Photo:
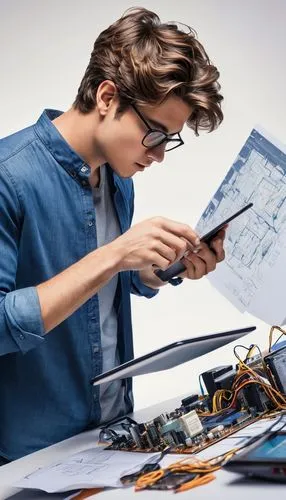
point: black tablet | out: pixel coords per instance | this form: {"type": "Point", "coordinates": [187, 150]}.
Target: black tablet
{"type": "Point", "coordinates": [172, 355]}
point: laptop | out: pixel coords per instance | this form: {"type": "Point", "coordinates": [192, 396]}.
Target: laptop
{"type": "Point", "coordinates": [265, 459]}
{"type": "Point", "coordinates": [172, 355]}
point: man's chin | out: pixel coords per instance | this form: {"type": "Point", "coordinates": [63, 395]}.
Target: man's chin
{"type": "Point", "coordinates": [123, 175]}
{"type": "Point", "coordinates": [128, 171]}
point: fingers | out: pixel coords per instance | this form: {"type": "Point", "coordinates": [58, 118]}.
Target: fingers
{"type": "Point", "coordinates": [158, 262]}
{"type": "Point", "coordinates": [199, 260]}
{"type": "Point", "coordinates": [205, 260]}
{"type": "Point", "coordinates": [206, 255]}
{"type": "Point", "coordinates": [166, 252]}
{"type": "Point", "coordinates": [195, 267]}
{"type": "Point", "coordinates": [161, 242]}
{"type": "Point", "coordinates": [178, 245]}
{"type": "Point", "coordinates": [217, 246]}
{"type": "Point", "coordinates": [178, 229]}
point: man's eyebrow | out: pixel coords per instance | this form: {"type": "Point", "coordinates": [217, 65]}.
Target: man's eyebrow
{"type": "Point", "coordinates": [160, 126]}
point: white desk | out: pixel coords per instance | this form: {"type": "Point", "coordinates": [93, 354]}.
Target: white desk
{"type": "Point", "coordinates": [226, 486]}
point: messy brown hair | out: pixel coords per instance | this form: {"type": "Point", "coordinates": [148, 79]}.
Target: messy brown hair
{"type": "Point", "coordinates": [148, 61]}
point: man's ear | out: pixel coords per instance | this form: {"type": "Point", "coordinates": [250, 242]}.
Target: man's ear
{"type": "Point", "coordinates": [106, 96]}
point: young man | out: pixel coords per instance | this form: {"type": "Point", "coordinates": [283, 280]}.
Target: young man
{"type": "Point", "coordinates": [69, 259]}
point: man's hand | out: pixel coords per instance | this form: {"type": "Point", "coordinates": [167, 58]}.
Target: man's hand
{"type": "Point", "coordinates": [205, 260]}
{"type": "Point", "coordinates": [157, 242]}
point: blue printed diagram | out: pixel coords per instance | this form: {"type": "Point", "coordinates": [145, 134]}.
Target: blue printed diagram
{"type": "Point", "coordinates": [256, 239]}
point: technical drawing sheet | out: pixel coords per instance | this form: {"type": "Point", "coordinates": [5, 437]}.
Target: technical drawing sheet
{"type": "Point", "coordinates": [91, 468]}
{"type": "Point", "coordinates": [253, 275]}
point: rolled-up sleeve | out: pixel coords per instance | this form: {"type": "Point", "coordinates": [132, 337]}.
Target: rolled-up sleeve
{"type": "Point", "coordinates": [139, 288]}
{"type": "Point", "coordinates": [23, 320]}
{"type": "Point", "coordinates": [21, 325]}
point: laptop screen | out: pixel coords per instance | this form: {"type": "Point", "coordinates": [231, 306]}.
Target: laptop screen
{"type": "Point", "coordinates": [272, 449]}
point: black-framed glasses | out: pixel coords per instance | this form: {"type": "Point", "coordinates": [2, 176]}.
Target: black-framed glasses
{"type": "Point", "coordinates": [156, 137]}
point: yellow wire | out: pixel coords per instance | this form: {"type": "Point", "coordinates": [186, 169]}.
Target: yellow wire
{"type": "Point", "coordinates": [275, 327]}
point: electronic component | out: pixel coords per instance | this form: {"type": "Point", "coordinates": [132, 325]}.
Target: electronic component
{"type": "Point", "coordinates": [237, 397]}
{"type": "Point", "coordinates": [196, 402]}
{"type": "Point", "coordinates": [191, 424]}
{"type": "Point", "coordinates": [276, 364]}
{"type": "Point", "coordinates": [172, 433]}
{"type": "Point", "coordinates": [182, 433]}
{"type": "Point", "coordinates": [255, 363]}
{"type": "Point", "coordinates": [253, 396]}
{"type": "Point", "coordinates": [226, 419]}
{"type": "Point", "coordinates": [225, 380]}
{"type": "Point", "coordinates": [189, 400]}
{"type": "Point", "coordinates": [177, 430]}
{"type": "Point", "coordinates": [210, 377]}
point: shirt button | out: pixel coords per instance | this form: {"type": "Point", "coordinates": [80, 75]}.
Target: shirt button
{"type": "Point", "coordinates": [21, 337]}
{"type": "Point", "coordinates": [95, 348]}
{"type": "Point", "coordinates": [73, 173]}
{"type": "Point", "coordinates": [83, 169]}
{"type": "Point", "coordinates": [90, 223]}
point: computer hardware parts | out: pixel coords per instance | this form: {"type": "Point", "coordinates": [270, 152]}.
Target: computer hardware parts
{"type": "Point", "coordinates": [210, 377]}
{"type": "Point", "coordinates": [276, 366]}
{"type": "Point", "coordinates": [254, 398]}
{"type": "Point", "coordinates": [197, 402]}
{"type": "Point", "coordinates": [180, 435]}
{"type": "Point", "coordinates": [241, 397]}
{"type": "Point", "coordinates": [227, 418]}
{"type": "Point", "coordinates": [266, 458]}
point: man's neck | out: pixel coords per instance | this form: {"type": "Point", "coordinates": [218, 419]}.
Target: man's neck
{"type": "Point", "coordinates": [78, 131]}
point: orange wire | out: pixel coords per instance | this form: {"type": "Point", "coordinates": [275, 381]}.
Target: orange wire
{"type": "Point", "coordinates": [148, 479]}
{"type": "Point", "coordinates": [197, 481]}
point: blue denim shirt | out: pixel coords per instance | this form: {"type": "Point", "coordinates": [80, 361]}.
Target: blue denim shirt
{"type": "Point", "coordinates": [47, 223]}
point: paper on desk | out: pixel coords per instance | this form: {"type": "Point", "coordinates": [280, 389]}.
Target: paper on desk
{"type": "Point", "coordinates": [255, 429]}
{"type": "Point", "coordinates": [253, 275]}
{"type": "Point", "coordinates": [91, 468]}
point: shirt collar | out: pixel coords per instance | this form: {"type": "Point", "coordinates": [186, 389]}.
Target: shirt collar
{"type": "Point", "coordinates": [59, 148]}
{"type": "Point", "coordinates": [63, 152]}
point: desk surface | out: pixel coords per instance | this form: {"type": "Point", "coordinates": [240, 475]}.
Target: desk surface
{"type": "Point", "coordinates": [226, 486]}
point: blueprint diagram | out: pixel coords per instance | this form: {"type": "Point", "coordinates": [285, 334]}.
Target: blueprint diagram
{"type": "Point", "coordinates": [255, 241]}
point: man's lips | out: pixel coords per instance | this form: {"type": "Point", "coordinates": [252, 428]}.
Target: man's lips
{"type": "Point", "coordinates": [142, 166]}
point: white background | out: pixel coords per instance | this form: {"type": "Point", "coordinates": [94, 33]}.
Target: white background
{"type": "Point", "coordinates": [44, 50]}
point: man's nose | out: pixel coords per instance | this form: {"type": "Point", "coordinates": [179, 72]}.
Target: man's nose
{"type": "Point", "coordinates": [157, 153]}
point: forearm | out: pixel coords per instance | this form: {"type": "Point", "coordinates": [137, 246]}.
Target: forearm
{"type": "Point", "coordinates": [63, 294]}
{"type": "Point", "coordinates": [150, 279]}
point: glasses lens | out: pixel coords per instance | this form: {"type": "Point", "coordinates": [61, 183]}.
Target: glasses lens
{"type": "Point", "coordinates": [173, 144]}
{"type": "Point", "coordinates": [153, 139]}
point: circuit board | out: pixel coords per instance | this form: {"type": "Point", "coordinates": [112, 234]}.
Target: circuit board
{"type": "Point", "coordinates": [236, 398]}
{"type": "Point", "coordinates": [196, 444]}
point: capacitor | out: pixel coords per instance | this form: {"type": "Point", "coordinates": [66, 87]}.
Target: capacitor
{"type": "Point", "coordinates": [134, 431]}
